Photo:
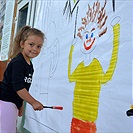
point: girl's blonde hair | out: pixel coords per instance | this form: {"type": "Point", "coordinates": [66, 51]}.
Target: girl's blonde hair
{"type": "Point", "coordinates": [22, 36]}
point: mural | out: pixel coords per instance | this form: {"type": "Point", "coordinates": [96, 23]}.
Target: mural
{"type": "Point", "coordinates": [83, 67]}
{"type": "Point", "coordinates": [89, 74]}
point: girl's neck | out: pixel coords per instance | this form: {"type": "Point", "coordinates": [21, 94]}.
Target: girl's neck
{"type": "Point", "coordinates": [26, 58]}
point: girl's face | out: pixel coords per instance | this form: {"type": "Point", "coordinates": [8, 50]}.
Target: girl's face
{"type": "Point", "coordinates": [31, 47]}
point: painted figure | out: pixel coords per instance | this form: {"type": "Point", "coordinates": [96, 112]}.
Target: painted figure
{"type": "Point", "coordinates": [89, 75]}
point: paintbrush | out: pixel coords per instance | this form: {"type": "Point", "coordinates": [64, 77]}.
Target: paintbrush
{"type": "Point", "coordinates": [54, 107]}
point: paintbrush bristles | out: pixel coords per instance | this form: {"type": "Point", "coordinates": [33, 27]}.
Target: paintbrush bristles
{"type": "Point", "coordinates": [58, 107]}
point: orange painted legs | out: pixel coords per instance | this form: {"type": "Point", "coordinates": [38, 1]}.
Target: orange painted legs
{"type": "Point", "coordinates": [79, 126]}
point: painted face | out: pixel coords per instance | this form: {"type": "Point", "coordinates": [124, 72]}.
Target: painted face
{"type": "Point", "coordinates": [31, 47]}
{"type": "Point", "coordinates": [89, 38]}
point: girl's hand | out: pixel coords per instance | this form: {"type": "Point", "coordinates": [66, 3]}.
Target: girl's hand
{"type": "Point", "coordinates": [20, 112]}
{"type": "Point", "coordinates": [37, 106]}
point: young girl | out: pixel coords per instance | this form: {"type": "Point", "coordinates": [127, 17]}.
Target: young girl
{"type": "Point", "coordinates": [18, 77]}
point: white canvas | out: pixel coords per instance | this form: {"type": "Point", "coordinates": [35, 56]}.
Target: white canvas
{"type": "Point", "coordinates": [51, 83]}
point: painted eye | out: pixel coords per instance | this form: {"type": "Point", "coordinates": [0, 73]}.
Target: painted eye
{"type": "Point", "coordinates": [92, 35]}
{"type": "Point", "coordinates": [87, 36]}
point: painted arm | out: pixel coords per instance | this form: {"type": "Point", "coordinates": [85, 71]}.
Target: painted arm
{"type": "Point", "coordinates": [69, 64]}
{"type": "Point", "coordinates": [108, 75]}
{"type": "Point", "coordinates": [55, 56]}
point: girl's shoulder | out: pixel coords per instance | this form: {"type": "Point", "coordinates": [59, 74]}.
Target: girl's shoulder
{"type": "Point", "coordinates": [17, 60]}
{"type": "Point", "coordinates": [20, 62]}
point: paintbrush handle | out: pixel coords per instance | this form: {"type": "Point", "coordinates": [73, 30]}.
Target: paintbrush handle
{"type": "Point", "coordinates": [54, 107]}
{"type": "Point", "coordinates": [51, 107]}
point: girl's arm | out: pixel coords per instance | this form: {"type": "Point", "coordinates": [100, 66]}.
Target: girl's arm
{"type": "Point", "coordinates": [24, 94]}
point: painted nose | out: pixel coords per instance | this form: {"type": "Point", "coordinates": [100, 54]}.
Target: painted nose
{"type": "Point", "coordinates": [88, 40]}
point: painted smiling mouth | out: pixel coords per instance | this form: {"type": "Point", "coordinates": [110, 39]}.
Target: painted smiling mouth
{"type": "Point", "coordinates": [88, 47]}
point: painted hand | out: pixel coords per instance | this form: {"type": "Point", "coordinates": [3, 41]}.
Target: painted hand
{"type": "Point", "coordinates": [115, 21]}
